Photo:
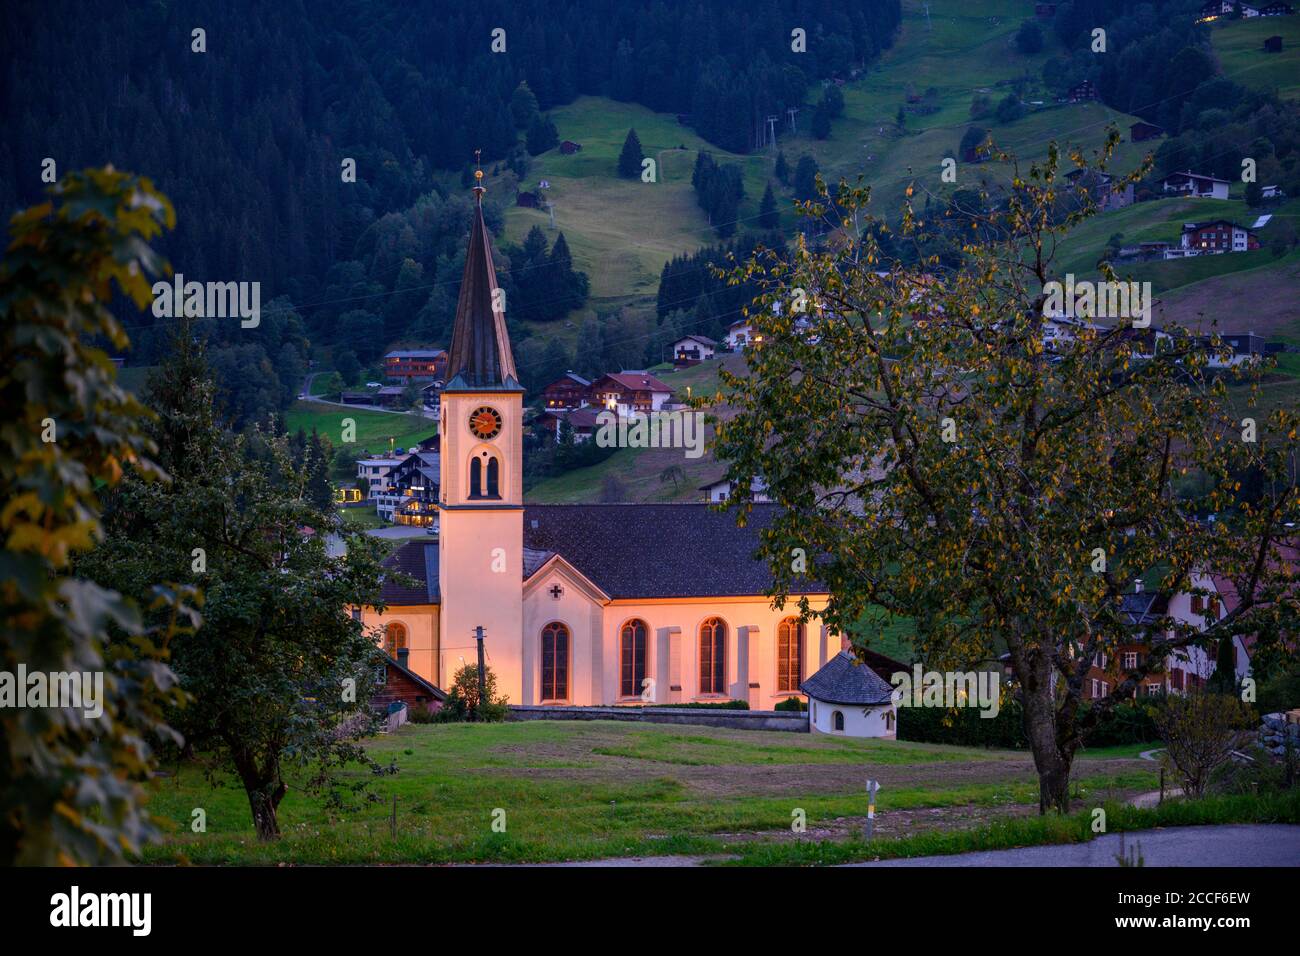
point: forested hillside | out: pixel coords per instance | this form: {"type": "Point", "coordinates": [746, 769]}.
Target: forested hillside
{"type": "Point", "coordinates": [247, 138]}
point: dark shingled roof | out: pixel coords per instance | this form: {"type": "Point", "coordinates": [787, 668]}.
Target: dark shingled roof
{"type": "Point", "coordinates": [628, 551]}
{"type": "Point", "coordinates": [417, 560]}
{"type": "Point", "coordinates": [656, 551]}
{"type": "Point", "coordinates": [844, 681]}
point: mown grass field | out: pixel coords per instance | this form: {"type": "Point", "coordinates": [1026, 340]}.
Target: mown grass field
{"type": "Point", "coordinates": [585, 790]}
{"type": "Point", "coordinates": [1239, 44]}
{"type": "Point", "coordinates": [376, 432]}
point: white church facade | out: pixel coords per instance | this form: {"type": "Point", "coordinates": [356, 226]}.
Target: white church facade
{"type": "Point", "coordinates": [581, 604]}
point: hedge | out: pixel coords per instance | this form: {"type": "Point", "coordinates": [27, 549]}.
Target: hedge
{"type": "Point", "coordinates": [1128, 723]}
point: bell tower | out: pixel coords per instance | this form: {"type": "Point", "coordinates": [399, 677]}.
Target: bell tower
{"type": "Point", "coordinates": [480, 428]}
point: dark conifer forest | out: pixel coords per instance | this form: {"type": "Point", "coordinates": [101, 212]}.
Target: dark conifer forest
{"type": "Point", "coordinates": [248, 139]}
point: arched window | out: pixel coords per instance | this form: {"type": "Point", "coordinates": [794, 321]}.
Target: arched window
{"type": "Point", "coordinates": [789, 655]}
{"type": "Point", "coordinates": [837, 720]}
{"type": "Point", "coordinates": [555, 662]}
{"type": "Point", "coordinates": [475, 478]}
{"type": "Point", "coordinates": [493, 477]}
{"type": "Point", "coordinates": [713, 656]}
{"type": "Point", "coordinates": [632, 655]}
{"type": "Point", "coordinates": [394, 638]}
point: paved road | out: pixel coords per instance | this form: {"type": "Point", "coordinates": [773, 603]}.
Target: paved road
{"type": "Point", "coordinates": [1232, 845]}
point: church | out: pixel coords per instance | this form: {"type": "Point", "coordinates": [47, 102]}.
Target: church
{"type": "Point", "coordinates": [581, 605]}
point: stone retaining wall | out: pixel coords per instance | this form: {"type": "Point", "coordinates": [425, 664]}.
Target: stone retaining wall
{"type": "Point", "coordinates": [733, 719]}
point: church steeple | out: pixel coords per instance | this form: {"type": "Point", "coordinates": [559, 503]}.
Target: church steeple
{"type": "Point", "coordinates": [480, 356]}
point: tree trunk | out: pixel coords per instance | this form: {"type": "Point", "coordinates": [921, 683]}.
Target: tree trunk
{"type": "Point", "coordinates": [264, 806]}
{"type": "Point", "coordinates": [265, 789]}
{"type": "Point", "coordinates": [1050, 760]}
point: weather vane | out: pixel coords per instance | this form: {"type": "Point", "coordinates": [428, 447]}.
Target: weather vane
{"type": "Point", "coordinates": [478, 174]}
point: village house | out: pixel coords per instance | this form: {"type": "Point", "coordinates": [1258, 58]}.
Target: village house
{"type": "Point", "coordinates": [372, 473]}
{"type": "Point", "coordinates": [1276, 10]}
{"type": "Point", "coordinates": [629, 391]}
{"type": "Point", "coordinates": [581, 604]}
{"type": "Point", "coordinates": [583, 422]}
{"type": "Point", "coordinates": [1194, 184]}
{"type": "Point", "coordinates": [1142, 130]}
{"type": "Point", "coordinates": [690, 349]}
{"type": "Point", "coordinates": [1101, 187]}
{"type": "Point", "coordinates": [739, 334]}
{"type": "Point", "coordinates": [567, 391]}
{"type": "Point", "coordinates": [412, 495]}
{"type": "Point", "coordinates": [1081, 92]}
{"type": "Point", "coordinates": [1215, 237]}
{"type": "Point", "coordinates": [1273, 44]}
{"type": "Point", "coordinates": [416, 365]}
{"type": "Point", "coordinates": [569, 147]}
{"type": "Point", "coordinates": [716, 492]}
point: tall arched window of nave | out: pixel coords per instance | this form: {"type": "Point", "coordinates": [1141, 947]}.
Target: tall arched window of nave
{"type": "Point", "coordinates": [632, 657]}
{"type": "Point", "coordinates": [555, 662]}
{"type": "Point", "coordinates": [713, 656]}
{"type": "Point", "coordinates": [789, 655]}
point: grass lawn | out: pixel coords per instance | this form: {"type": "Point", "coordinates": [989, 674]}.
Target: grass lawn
{"type": "Point", "coordinates": [377, 432]}
{"type": "Point", "coordinates": [1239, 44]}
{"type": "Point", "coordinates": [581, 790]}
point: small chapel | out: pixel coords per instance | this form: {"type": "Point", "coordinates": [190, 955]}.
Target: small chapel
{"type": "Point", "coordinates": [581, 605]}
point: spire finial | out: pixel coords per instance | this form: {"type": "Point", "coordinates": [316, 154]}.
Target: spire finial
{"type": "Point", "coordinates": [478, 175]}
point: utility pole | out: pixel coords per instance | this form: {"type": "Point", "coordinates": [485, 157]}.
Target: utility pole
{"type": "Point", "coordinates": [482, 670]}
{"type": "Point", "coordinates": [771, 122]}
{"type": "Point", "coordinates": [792, 110]}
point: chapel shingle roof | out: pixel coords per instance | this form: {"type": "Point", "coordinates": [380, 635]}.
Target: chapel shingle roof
{"type": "Point", "coordinates": [846, 681]}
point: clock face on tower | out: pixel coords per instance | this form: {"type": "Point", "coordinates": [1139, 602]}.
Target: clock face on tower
{"type": "Point", "coordinates": [485, 422]}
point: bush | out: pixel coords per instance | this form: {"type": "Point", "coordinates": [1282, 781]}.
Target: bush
{"type": "Point", "coordinates": [462, 701]}
{"type": "Point", "coordinates": [707, 705]}
{"type": "Point", "coordinates": [1200, 732]}
{"type": "Point", "coordinates": [1130, 722]}
{"type": "Point", "coordinates": [791, 703]}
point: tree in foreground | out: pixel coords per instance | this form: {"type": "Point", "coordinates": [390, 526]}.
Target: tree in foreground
{"type": "Point", "coordinates": [936, 460]}
{"type": "Point", "coordinates": [71, 785]}
{"type": "Point", "coordinates": [280, 674]}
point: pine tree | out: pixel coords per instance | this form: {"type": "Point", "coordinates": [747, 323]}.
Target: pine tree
{"type": "Point", "coordinates": [630, 159]}
{"type": "Point", "coordinates": [821, 123]}
{"type": "Point", "coordinates": [523, 106]}
{"type": "Point", "coordinates": [805, 178]}
{"type": "Point", "coordinates": [782, 170]}
{"type": "Point", "coordinates": [768, 216]}
{"type": "Point", "coordinates": [542, 135]}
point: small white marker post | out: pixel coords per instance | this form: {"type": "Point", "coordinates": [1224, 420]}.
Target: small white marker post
{"type": "Point", "coordinates": [872, 787]}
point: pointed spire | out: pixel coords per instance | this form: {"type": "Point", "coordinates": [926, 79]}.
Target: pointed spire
{"type": "Point", "coordinates": [480, 354]}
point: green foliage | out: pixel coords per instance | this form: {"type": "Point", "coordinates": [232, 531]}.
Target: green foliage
{"type": "Point", "coordinates": [805, 178]}
{"type": "Point", "coordinates": [1200, 732]}
{"type": "Point", "coordinates": [873, 426]}
{"type": "Point", "coordinates": [545, 284]}
{"type": "Point", "coordinates": [1132, 722]}
{"type": "Point", "coordinates": [631, 156]}
{"type": "Point", "coordinates": [280, 673]}
{"type": "Point", "coordinates": [791, 703]}
{"type": "Point", "coordinates": [542, 135]}
{"type": "Point", "coordinates": [463, 702]}
{"type": "Point", "coordinates": [70, 784]}
{"type": "Point", "coordinates": [768, 215]}
{"type": "Point", "coordinates": [782, 169]}
{"type": "Point", "coordinates": [719, 190]}
{"type": "Point", "coordinates": [1029, 38]}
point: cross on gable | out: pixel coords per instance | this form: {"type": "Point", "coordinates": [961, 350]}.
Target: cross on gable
{"type": "Point", "coordinates": [556, 591]}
